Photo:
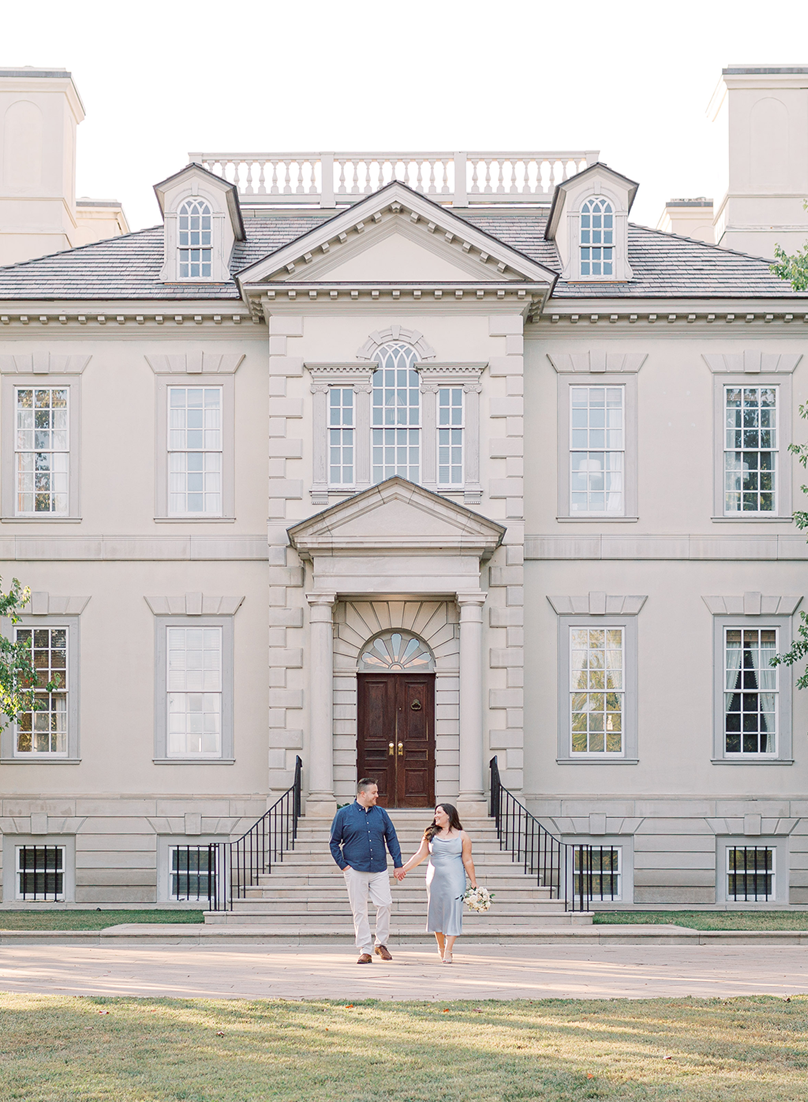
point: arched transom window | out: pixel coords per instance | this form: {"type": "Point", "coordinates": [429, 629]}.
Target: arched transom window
{"type": "Point", "coordinates": [396, 652]}
{"type": "Point", "coordinates": [597, 238]}
{"type": "Point", "coordinates": [396, 414]}
{"type": "Point", "coordinates": [195, 240]}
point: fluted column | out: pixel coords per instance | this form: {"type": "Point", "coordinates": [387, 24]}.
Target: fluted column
{"type": "Point", "coordinates": [471, 797]}
{"type": "Point", "coordinates": [320, 764]}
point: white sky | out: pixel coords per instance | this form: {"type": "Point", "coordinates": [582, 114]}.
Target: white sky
{"type": "Point", "coordinates": [630, 78]}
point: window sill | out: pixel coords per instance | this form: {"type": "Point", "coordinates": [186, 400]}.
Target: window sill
{"type": "Point", "coordinates": [751, 761]}
{"type": "Point", "coordinates": [754, 518]}
{"type": "Point", "coordinates": [601, 517]}
{"type": "Point", "coordinates": [597, 761]}
{"type": "Point", "coordinates": [41, 520]}
{"type": "Point", "coordinates": [194, 761]}
{"type": "Point", "coordinates": [194, 520]}
{"type": "Point", "coordinates": [40, 761]}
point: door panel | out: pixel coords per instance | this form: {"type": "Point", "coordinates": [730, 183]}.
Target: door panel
{"type": "Point", "coordinates": [396, 736]}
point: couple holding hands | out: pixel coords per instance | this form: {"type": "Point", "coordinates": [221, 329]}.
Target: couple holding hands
{"type": "Point", "coordinates": [359, 834]}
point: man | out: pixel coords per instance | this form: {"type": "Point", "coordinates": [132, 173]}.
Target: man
{"type": "Point", "coordinates": [358, 837]}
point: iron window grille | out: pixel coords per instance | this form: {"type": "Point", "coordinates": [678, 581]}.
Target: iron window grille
{"type": "Point", "coordinates": [40, 873]}
{"type": "Point", "coordinates": [750, 874]}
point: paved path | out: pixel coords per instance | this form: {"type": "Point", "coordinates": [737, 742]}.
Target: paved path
{"type": "Point", "coordinates": [479, 972]}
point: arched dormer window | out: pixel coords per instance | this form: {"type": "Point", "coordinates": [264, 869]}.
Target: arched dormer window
{"type": "Point", "coordinates": [195, 240]}
{"type": "Point", "coordinates": [597, 238]}
{"type": "Point", "coordinates": [396, 414]}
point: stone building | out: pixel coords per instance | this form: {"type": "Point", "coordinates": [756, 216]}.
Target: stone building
{"type": "Point", "coordinates": [398, 462]}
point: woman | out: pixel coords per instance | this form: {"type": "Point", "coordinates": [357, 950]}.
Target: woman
{"type": "Point", "coordinates": [449, 850]}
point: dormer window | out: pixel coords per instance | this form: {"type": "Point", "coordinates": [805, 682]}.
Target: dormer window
{"type": "Point", "coordinates": [597, 238]}
{"type": "Point", "coordinates": [195, 240]}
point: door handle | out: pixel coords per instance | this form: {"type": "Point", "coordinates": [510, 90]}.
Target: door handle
{"type": "Point", "coordinates": [400, 749]}
{"type": "Point", "coordinates": [391, 747]}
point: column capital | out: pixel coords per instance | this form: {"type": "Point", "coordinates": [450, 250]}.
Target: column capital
{"type": "Point", "coordinates": [471, 599]}
{"type": "Point", "coordinates": [321, 598]}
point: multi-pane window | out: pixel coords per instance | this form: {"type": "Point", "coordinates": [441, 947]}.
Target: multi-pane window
{"type": "Point", "coordinates": [396, 415]}
{"type": "Point", "coordinates": [750, 449]}
{"type": "Point", "coordinates": [195, 239]}
{"type": "Point", "coordinates": [597, 238]}
{"type": "Point", "coordinates": [195, 450]}
{"type": "Point", "coordinates": [750, 690]}
{"type": "Point", "coordinates": [341, 429]}
{"type": "Point", "coordinates": [41, 448]}
{"type": "Point", "coordinates": [194, 683]}
{"type": "Point", "coordinates": [750, 873]}
{"type": "Point", "coordinates": [192, 872]}
{"type": "Point", "coordinates": [597, 449]}
{"type": "Point", "coordinates": [597, 691]}
{"type": "Point", "coordinates": [597, 872]}
{"type": "Point", "coordinates": [44, 730]}
{"type": "Point", "coordinates": [450, 436]}
{"type": "Point", "coordinates": [40, 873]}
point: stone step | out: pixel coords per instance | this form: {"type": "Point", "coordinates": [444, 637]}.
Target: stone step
{"type": "Point", "coordinates": [341, 927]}
{"type": "Point", "coordinates": [312, 897]}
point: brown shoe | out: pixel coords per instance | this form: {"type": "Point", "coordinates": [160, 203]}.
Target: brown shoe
{"type": "Point", "coordinates": [365, 958]}
{"type": "Point", "coordinates": [383, 952]}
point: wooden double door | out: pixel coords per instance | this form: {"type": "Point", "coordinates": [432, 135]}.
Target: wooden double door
{"type": "Point", "coordinates": [396, 736]}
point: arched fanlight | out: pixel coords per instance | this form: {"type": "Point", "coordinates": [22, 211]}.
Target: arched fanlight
{"type": "Point", "coordinates": [396, 652]}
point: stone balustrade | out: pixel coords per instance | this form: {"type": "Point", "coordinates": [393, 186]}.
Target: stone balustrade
{"type": "Point", "coordinates": [337, 179]}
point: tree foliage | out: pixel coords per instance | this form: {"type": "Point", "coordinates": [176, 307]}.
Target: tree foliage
{"type": "Point", "coordinates": [793, 269]}
{"type": "Point", "coordinates": [18, 678]}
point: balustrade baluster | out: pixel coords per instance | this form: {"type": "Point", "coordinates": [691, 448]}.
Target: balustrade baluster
{"type": "Point", "coordinates": [341, 183]}
{"type": "Point", "coordinates": [262, 190]}
{"type": "Point", "coordinates": [273, 189]}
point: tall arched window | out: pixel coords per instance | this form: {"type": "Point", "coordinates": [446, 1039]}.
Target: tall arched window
{"type": "Point", "coordinates": [597, 238]}
{"type": "Point", "coordinates": [396, 414]}
{"type": "Point", "coordinates": [195, 240]}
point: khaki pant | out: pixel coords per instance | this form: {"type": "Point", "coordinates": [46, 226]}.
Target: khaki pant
{"type": "Point", "coordinates": [373, 886]}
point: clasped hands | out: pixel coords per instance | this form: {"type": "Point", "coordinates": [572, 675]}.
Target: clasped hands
{"type": "Point", "coordinates": [399, 874]}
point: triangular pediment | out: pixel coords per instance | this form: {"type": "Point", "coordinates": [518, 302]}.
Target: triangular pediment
{"type": "Point", "coordinates": [396, 234]}
{"type": "Point", "coordinates": [396, 516]}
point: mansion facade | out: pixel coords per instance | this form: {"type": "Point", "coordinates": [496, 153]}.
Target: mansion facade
{"type": "Point", "coordinates": [397, 463]}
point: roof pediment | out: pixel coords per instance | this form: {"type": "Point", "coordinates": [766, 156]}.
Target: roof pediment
{"type": "Point", "coordinates": [398, 235]}
{"type": "Point", "coordinates": [396, 516]}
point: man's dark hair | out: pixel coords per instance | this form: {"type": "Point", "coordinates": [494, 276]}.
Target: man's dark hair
{"type": "Point", "coordinates": [364, 784]}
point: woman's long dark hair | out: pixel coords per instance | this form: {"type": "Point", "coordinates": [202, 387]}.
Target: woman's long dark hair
{"type": "Point", "coordinates": [454, 822]}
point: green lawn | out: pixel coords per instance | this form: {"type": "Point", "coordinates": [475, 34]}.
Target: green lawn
{"type": "Point", "coordinates": [57, 1049]}
{"type": "Point", "coordinates": [712, 920]}
{"type": "Point", "coordinates": [87, 920]}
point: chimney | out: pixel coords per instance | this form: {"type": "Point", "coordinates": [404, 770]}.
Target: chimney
{"type": "Point", "coordinates": [39, 112]}
{"type": "Point", "coordinates": [689, 218]}
{"type": "Point", "coordinates": [763, 110]}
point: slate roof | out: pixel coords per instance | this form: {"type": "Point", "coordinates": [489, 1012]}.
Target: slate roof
{"type": "Point", "coordinates": [664, 265]}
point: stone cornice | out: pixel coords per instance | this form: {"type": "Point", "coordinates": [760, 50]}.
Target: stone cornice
{"type": "Point", "coordinates": [679, 312]}
{"type": "Point", "coordinates": [84, 316]}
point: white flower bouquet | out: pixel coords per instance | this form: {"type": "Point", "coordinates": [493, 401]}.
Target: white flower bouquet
{"type": "Point", "coordinates": [478, 899]}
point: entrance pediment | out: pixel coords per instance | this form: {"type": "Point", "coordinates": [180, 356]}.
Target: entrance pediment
{"type": "Point", "coordinates": [396, 518]}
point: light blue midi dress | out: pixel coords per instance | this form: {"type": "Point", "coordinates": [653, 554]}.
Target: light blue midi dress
{"type": "Point", "coordinates": [445, 885]}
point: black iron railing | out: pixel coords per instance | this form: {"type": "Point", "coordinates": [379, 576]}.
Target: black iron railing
{"type": "Point", "coordinates": [750, 873]}
{"type": "Point", "coordinates": [194, 874]}
{"type": "Point", "coordinates": [238, 866]}
{"type": "Point", "coordinates": [577, 873]}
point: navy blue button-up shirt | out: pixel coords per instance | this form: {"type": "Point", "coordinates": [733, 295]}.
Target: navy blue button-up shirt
{"type": "Point", "coordinates": [358, 837]}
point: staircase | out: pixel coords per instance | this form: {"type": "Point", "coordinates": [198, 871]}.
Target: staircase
{"type": "Point", "coordinates": [305, 893]}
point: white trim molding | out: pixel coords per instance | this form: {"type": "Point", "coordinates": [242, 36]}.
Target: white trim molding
{"type": "Point", "coordinates": [396, 333]}
{"type": "Point", "coordinates": [597, 603]}
{"type": "Point", "coordinates": [43, 363]}
{"type": "Point", "coordinates": [595, 362]}
{"type": "Point", "coordinates": [196, 363]}
{"type": "Point", "coordinates": [324, 376]}
{"type": "Point", "coordinates": [46, 604]}
{"type": "Point", "coordinates": [752, 362]}
{"type": "Point", "coordinates": [194, 604]}
{"type": "Point", "coordinates": [753, 604]}
{"type": "Point", "coordinates": [468, 376]}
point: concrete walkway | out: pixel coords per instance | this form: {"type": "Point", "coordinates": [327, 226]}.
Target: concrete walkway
{"type": "Point", "coordinates": [489, 971]}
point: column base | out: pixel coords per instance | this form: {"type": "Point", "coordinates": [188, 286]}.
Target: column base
{"type": "Point", "coordinates": [472, 806]}
{"type": "Point", "coordinates": [320, 806]}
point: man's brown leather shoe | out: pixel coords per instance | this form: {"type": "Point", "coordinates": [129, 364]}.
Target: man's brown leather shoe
{"type": "Point", "coordinates": [365, 958]}
{"type": "Point", "coordinates": [383, 952]}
